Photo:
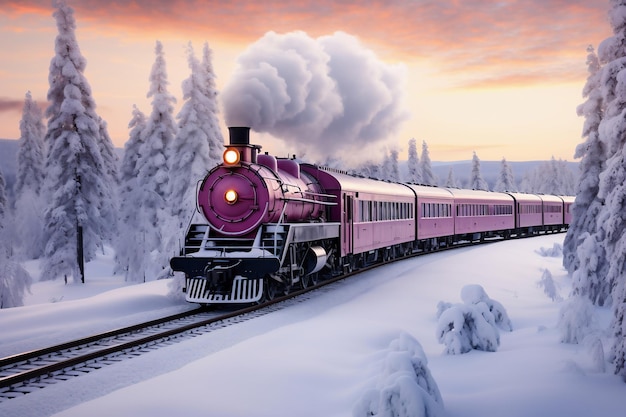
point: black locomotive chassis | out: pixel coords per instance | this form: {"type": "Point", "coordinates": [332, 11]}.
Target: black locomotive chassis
{"type": "Point", "coordinates": [207, 267]}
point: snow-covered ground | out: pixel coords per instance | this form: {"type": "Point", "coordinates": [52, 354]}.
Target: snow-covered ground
{"type": "Point", "coordinates": [321, 357]}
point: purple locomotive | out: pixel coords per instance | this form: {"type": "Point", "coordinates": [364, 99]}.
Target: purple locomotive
{"type": "Point", "coordinates": [271, 225]}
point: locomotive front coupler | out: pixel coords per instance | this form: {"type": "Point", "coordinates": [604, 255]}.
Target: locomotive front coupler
{"type": "Point", "coordinates": [220, 274]}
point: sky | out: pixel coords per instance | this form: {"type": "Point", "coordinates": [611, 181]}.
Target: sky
{"type": "Point", "coordinates": [499, 78]}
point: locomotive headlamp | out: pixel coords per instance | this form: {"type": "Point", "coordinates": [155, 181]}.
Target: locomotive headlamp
{"type": "Point", "coordinates": [231, 156]}
{"type": "Point", "coordinates": [231, 196]}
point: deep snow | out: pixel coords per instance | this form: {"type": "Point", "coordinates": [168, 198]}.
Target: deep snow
{"type": "Point", "coordinates": [319, 357]}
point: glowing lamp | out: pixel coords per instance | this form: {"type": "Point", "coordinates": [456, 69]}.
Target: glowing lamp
{"type": "Point", "coordinates": [231, 156]}
{"type": "Point", "coordinates": [231, 196]}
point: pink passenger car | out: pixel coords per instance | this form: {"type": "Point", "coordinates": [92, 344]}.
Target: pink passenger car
{"type": "Point", "coordinates": [435, 211]}
{"type": "Point", "coordinates": [373, 214]}
{"type": "Point", "coordinates": [480, 214]}
{"type": "Point", "coordinates": [552, 211]}
{"type": "Point", "coordinates": [528, 212]}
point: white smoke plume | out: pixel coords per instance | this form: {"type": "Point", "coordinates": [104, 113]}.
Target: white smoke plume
{"type": "Point", "coordinates": [324, 97]}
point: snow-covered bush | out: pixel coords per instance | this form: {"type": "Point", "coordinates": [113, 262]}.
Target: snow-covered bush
{"type": "Point", "coordinates": [556, 251]}
{"type": "Point", "coordinates": [549, 286]}
{"type": "Point", "coordinates": [472, 325]}
{"type": "Point", "coordinates": [475, 294]}
{"type": "Point", "coordinates": [577, 320]}
{"type": "Point", "coordinates": [406, 387]}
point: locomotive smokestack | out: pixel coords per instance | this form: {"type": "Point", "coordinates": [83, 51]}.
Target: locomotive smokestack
{"type": "Point", "coordinates": [239, 135]}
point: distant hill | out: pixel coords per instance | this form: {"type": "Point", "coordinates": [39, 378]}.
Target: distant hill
{"type": "Point", "coordinates": [489, 170]}
{"type": "Point", "coordinates": [462, 169]}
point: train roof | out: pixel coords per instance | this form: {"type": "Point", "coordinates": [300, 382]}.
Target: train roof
{"type": "Point", "coordinates": [480, 194]}
{"type": "Point", "coordinates": [546, 198]}
{"type": "Point", "coordinates": [430, 191]}
{"type": "Point", "coordinates": [525, 198]}
{"type": "Point", "coordinates": [333, 179]}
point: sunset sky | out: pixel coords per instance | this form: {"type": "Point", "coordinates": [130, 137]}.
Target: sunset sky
{"type": "Point", "coordinates": [502, 78]}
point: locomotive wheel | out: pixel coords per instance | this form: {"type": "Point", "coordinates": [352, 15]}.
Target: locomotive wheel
{"type": "Point", "coordinates": [270, 290]}
{"type": "Point", "coordinates": [306, 281]}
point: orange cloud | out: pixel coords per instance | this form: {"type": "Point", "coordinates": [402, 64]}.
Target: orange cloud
{"type": "Point", "coordinates": [473, 43]}
{"type": "Point", "coordinates": [458, 34]}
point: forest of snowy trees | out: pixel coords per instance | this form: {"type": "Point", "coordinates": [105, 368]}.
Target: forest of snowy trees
{"type": "Point", "coordinates": [595, 245]}
{"type": "Point", "coordinates": [84, 202]}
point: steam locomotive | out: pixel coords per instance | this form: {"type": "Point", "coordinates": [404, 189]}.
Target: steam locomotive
{"type": "Point", "coordinates": [270, 225]}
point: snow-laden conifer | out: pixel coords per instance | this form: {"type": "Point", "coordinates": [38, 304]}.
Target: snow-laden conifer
{"type": "Point", "coordinates": [14, 279]}
{"type": "Point", "coordinates": [390, 165]}
{"type": "Point", "coordinates": [194, 150]}
{"type": "Point", "coordinates": [405, 388]}
{"type": "Point", "coordinates": [506, 179]}
{"type": "Point", "coordinates": [153, 169]}
{"type": "Point", "coordinates": [425, 167]}
{"type": "Point", "coordinates": [216, 140]}
{"type": "Point", "coordinates": [129, 249]}
{"type": "Point", "coordinates": [610, 227]}
{"type": "Point", "coordinates": [476, 179]}
{"type": "Point", "coordinates": [30, 156]}
{"type": "Point", "coordinates": [415, 175]}
{"type": "Point", "coordinates": [28, 221]}
{"type": "Point", "coordinates": [451, 181]}
{"type": "Point", "coordinates": [473, 324]}
{"type": "Point", "coordinates": [76, 178]}
{"type": "Point", "coordinates": [610, 234]}
{"type": "Point", "coordinates": [587, 205]}
{"type": "Point", "coordinates": [110, 208]}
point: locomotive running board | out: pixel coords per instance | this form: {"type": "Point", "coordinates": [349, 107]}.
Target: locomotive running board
{"type": "Point", "coordinates": [244, 290]}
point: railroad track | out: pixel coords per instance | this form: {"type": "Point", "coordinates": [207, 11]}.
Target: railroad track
{"type": "Point", "coordinates": [27, 372]}
{"type": "Point", "coordinates": [24, 373]}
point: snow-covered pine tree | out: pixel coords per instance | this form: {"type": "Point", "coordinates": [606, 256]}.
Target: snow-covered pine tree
{"type": "Point", "coordinates": [550, 180]}
{"type": "Point", "coordinates": [129, 255]}
{"type": "Point", "coordinates": [415, 176]}
{"type": "Point", "coordinates": [394, 172]}
{"type": "Point", "coordinates": [153, 170]}
{"type": "Point", "coordinates": [110, 208]}
{"type": "Point", "coordinates": [370, 169]}
{"type": "Point", "coordinates": [451, 181]}
{"type": "Point", "coordinates": [476, 179]}
{"type": "Point", "coordinates": [14, 279]}
{"type": "Point", "coordinates": [425, 167]}
{"type": "Point", "coordinates": [506, 180]}
{"type": "Point", "coordinates": [587, 205]}
{"type": "Point", "coordinates": [194, 149]}
{"type": "Point", "coordinates": [611, 226]}
{"type": "Point", "coordinates": [216, 140]}
{"type": "Point", "coordinates": [30, 156]}
{"type": "Point", "coordinates": [28, 222]}
{"type": "Point", "coordinates": [75, 171]}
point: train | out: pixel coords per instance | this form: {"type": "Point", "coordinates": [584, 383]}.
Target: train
{"type": "Point", "coordinates": [265, 226]}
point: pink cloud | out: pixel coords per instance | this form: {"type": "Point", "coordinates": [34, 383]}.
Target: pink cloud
{"type": "Point", "coordinates": [478, 41]}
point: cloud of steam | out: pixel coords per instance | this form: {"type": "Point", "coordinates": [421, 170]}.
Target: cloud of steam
{"type": "Point", "coordinates": [324, 97]}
